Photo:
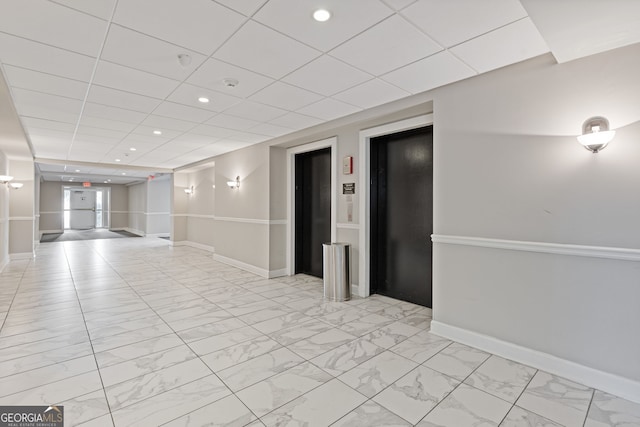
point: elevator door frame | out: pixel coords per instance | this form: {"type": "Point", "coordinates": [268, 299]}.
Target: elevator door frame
{"type": "Point", "coordinates": [291, 217]}
{"type": "Point", "coordinates": [364, 259]}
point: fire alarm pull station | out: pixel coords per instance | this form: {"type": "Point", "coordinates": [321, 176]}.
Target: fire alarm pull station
{"type": "Point", "coordinates": [347, 165]}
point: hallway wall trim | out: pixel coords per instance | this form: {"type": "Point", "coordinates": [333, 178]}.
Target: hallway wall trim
{"type": "Point", "coordinates": [234, 219]}
{"type": "Point", "coordinates": [601, 380]}
{"type": "Point", "coordinates": [542, 247]}
{"type": "Point", "coordinates": [194, 245]}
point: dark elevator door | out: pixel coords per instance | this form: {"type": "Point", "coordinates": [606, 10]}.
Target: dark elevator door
{"type": "Point", "coordinates": [313, 209]}
{"type": "Point", "coordinates": [402, 215]}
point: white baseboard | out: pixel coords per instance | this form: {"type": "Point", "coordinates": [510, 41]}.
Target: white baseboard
{"type": "Point", "coordinates": [607, 382]}
{"type": "Point", "coordinates": [194, 245]}
{"type": "Point", "coordinates": [277, 273]}
{"type": "Point", "coordinates": [134, 231]}
{"type": "Point", "coordinates": [21, 255]}
{"type": "Point", "coordinates": [50, 232]}
{"type": "Point", "coordinates": [157, 235]}
{"type": "Point", "coordinates": [3, 264]}
{"type": "Point", "coordinates": [242, 265]}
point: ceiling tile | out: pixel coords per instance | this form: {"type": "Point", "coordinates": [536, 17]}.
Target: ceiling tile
{"type": "Point", "coordinates": [45, 83]}
{"type": "Point", "coordinates": [387, 46]}
{"type": "Point", "coordinates": [183, 112]}
{"type": "Point", "coordinates": [201, 25]}
{"type": "Point", "coordinates": [231, 122]}
{"type": "Point", "coordinates": [265, 51]}
{"type": "Point", "coordinates": [575, 28]}
{"type": "Point", "coordinates": [270, 130]}
{"type": "Point", "coordinates": [44, 106]}
{"type": "Point", "coordinates": [285, 96]}
{"type": "Point", "coordinates": [107, 124]}
{"type": "Point", "coordinates": [372, 93]}
{"type": "Point", "coordinates": [118, 98]}
{"type": "Point", "coordinates": [246, 138]}
{"type": "Point", "coordinates": [295, 19]}
{"type": "Point", "coordinates": [327, 76]}
{"type": "Point", "coordinates": [187, 142]}
{"type": "Point", "coordinates": [102, 8]}
{"type": "Point", "coordinates": [142, 52]}
{"type": "Point", "coordinates": [255, 111]}
{"type": "Point", "coordinates": [54, 25]}
{"type": "Point", "coordinates": [166, 123]}
{"type": "Point", "coordinates": [453, 22]}
{"type": "Point", "coordinates": [112, 113]}
{"type": "Point", "coordinates": [329, 109]}
{"type": "Point", "coordinates": [211, 131]}
{"type": "Point", "coordinates": [246, 7]}
{"type": "Point", "coordinates": [145, 133]}
{"type": "Point", "coordinates": [109, 133]}
{"type": "Point", "coordinates": [507, 45]}
{"type": "Point", "coordinates": [188, 95]}
{"type": "Point", "coordinates": [296, 121]}
{"type": "Point", "coordinates": [212, 73]}
{"type": "Point", "coordinates": [39, 57]}
{"type": "Point", "coordinates": [35, 123]}
{"type": "Point", "coordinates": [127, 79]}
{"type": "Point", "coordinates": [437, 70]}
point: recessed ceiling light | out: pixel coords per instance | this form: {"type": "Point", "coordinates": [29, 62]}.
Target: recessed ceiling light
{"type": "Point", "coordinates": [108, 180]}
{"type": "Point", "coordinates": [321, 15]}
{"type": "Point", "coordinates": [105, 182]}
{"type": "Point", "coordinates": [117, 160]}
{"type": "Point", "coordinates": [132, 149]}
{"type": "Point", "coordinates": [203, 100]}
{"type": "Point", "coordinates": [124, 173]}
{"type": "Point", "coordinates": [157, 132]}
{"type": "Point", "coordinates": [77, 170]}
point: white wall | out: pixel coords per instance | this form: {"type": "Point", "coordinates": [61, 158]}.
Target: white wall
{"type": "Point", "coordinates": [138, 208]}
{"type": "Point", "coordinates": [4, 215]}
{"type": "Point", "coordinates": [519, 206]}
{"type": "Point", "coordinates": [159, 206]}
{"type": "Point", "coordinates": [21, 210]}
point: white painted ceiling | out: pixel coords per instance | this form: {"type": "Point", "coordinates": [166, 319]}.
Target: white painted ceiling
{"type": "Point", "coordinates": [92, 79]}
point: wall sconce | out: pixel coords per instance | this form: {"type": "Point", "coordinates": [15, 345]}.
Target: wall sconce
{"type": "Point", "coordinates": [189, 190]}
{"type": "Point", "coordinates": [5, 178]}
{"type": "Point", "coordinates": [16, 185]}
{"type": "Point", "coordinates": [234, 184]}
{"type": "Point", "coordinates": [596, 134]}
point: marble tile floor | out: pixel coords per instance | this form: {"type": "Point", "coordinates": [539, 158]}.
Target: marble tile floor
{"type": "Point", "coordinates": [135, 332]}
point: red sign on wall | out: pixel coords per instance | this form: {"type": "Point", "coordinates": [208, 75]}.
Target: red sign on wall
{"type": "Point", "coordinates": [86, 184]}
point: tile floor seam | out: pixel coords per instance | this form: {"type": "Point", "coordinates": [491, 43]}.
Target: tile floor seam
{"type": "Point", "coordinates": [586, 416]}
{"type": "Point", "coordinates": [95, 359]}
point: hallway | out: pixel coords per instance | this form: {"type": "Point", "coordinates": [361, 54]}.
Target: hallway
{"type": "Point", "coordinates": [137, 332]}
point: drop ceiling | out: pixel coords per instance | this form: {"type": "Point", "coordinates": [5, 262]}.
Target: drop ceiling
{"type": "Point", "coordinates": [93, 79]}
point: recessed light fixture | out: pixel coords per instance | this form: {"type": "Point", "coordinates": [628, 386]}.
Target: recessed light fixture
{"type": "Point", "coordinates": [77, 170]}
{"type": "Point", "coordinates": [157, 132]}
{"type": "Point", "coordinates": [124, 173]}
{"type": "Point", "coordinates": [108, 180]}
{"type": "Point", "coordinates": [132, 149]}
{"type": "Point", "coordinates": [117, 160]}
{"type": "Point", "coordinates": [321, 15]}
{"type": "Point", "coordinates": [203, 100]}
{"type": "Point", "coordinates": [105, 182]}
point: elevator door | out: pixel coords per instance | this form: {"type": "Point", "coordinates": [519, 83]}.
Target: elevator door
{"type": "Point", "coordinates": [313, 209]}
{"type": "Point", "coordinates": [402, 215]}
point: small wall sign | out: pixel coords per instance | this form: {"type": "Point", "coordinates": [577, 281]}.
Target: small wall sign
{"type": "Point", "coordinates": [347, 165]}
{"type": "Point", "coordinates": [349, 188]}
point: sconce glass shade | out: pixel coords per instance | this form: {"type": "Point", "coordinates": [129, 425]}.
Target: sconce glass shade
{"type": "Point", "coordinates": [16, 185]}
{"type": "Point", "coordinates": [596, 134]}
{"type": "Point", "coordinates": [5, 178]}
{"type": "Point", "coordinates": [234, 184]}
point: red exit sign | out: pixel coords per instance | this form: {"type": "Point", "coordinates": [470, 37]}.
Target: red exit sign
{"type": "Point", "coordinates": [86, 184]}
